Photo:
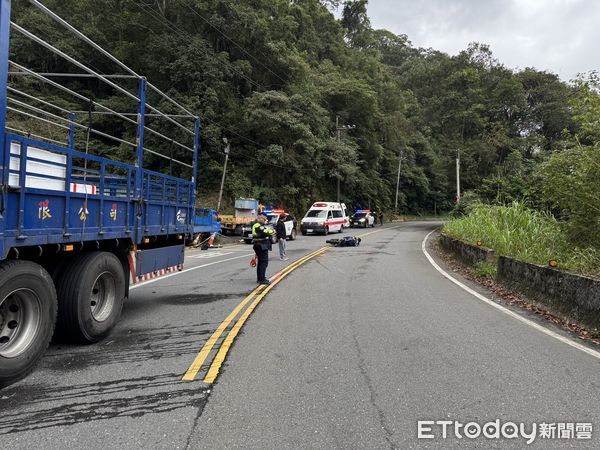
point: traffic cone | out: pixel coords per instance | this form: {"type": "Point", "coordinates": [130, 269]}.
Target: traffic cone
{"type": "Point", "coordinates": [211, 241]}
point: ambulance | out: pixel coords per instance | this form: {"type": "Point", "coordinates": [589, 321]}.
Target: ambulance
{"type": "Point", "coordinates": [325, 218]}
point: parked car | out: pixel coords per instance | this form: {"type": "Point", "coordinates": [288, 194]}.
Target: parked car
{"type": "Point", "coordinates": [290, 222]}
{"type": "Point", "coordinates": [362, 218]}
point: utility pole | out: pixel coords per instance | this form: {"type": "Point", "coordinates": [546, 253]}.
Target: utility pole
{"type": "Point", "coordinates": [226, 151]}
{"type": "Point", "coordinates": [339, 128]}
{"type": "Point", "coordinates": [457, 176]}
{"type": "Point", "coordinates": [398, 181]}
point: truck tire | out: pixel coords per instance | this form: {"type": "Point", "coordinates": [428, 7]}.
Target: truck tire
{"type": "Point", "coordinates": [91, 292]}
{"type": "Point", "coordinates": [27, 317]}
{"type": "Point", "coordinates": [293, 234]}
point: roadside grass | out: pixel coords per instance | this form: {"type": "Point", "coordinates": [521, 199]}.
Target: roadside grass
{"type": "Point", "coordinates": [522, 233]}
{"type": "Point", "coordinates": [485, 269]}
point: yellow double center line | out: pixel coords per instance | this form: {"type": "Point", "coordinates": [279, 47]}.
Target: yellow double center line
{"type": "Point", "coordinates": [257, 294]}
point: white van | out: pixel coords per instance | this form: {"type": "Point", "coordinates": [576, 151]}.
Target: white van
{"type": "Point", "coordinates": [324, 217]}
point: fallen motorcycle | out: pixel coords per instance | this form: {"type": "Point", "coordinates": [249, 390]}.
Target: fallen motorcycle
{"type": "Point", "coordinates": [346, 241]}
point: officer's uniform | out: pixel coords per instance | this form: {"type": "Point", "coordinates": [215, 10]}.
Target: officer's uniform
{"type": "Point", "coordinates": [261, 237]}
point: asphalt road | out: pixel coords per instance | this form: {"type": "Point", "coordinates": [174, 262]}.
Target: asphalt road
{"type": "Point", "coordinates": [126, 392]}
{"type": "Point", "coordinates": [350, 350]}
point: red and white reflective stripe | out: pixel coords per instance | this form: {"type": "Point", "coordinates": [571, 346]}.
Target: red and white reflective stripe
{"type": "Point", "coordinates": [134, 279]}
{"type": "Point", "coordinates": [159, 273]}
{"type": "Point", "coordinates": [335, 222]}
{"type": "Point", "coordinates": [84, 188]}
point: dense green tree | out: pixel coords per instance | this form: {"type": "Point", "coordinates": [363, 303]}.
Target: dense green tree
{"type": "Point", "coordinates": [570, 177]}
{"type": "Point", "coordinates": [274, 75]}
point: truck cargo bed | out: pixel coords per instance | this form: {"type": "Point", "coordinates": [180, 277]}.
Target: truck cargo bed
{"type": "Point", "coordinates": [57, 195]}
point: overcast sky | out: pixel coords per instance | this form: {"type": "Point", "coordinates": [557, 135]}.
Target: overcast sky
{"type": "Point", "coordinates": [560, 36]}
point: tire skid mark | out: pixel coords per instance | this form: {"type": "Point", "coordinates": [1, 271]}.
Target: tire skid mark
{"type": "Point", "coordinates": [133, 397]}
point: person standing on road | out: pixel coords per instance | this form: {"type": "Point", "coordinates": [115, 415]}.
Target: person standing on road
{"type": "Point", "coordinates": [381, 218]}
{"type": "Point", "coordinates": [261, 238]}
{"type": "Point", "coordinates": [281, 236]}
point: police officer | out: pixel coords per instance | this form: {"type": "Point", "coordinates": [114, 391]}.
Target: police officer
{"type": "Point", "coordinates": [261, 238]}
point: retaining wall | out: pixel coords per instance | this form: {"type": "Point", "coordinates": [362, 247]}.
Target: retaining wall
{"type": "Point", "coordinates": [574, 296]}
{"type": "Point", "coordinates": [468, 253]}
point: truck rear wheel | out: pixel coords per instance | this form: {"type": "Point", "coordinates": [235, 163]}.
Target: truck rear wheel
{"type": "Point", "coordinates": [91, 292]}
{"type": "Point", "coordinates": [27, 318]}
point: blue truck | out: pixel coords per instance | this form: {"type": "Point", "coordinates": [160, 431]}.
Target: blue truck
{"type": "Point", "coordinates": [77, 228]}
{"type": "Point", "coordinates": [206, 227]}
{"type": "Point", "coordinates": [206, 221]}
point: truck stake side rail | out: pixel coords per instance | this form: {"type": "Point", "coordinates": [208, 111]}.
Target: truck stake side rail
{"type": "Point", "coordinates": [85, 208]}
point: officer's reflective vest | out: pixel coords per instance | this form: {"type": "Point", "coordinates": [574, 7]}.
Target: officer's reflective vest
{"type": "Point", "coordinates": [259, 231]}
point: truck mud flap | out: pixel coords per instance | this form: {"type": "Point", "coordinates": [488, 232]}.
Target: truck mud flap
{"type": "Point", "coordinates": [152, 263]}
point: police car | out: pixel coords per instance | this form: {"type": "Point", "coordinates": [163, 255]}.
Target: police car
{"type": "Point", "coordinates": [362, 218]}
{"type": "Point", "coordinates": [272, 217]}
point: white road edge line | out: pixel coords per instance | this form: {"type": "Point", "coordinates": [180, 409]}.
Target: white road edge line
{"type": "Point", "coordinates": [187, 270]}
{"type": "Point", "coordinates": [520, 318]}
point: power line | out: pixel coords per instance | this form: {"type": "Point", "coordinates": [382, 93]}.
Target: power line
{"type": "Point", "coordinates": [231, 40]}
{"type": "Point", "coordinates": [237, 152]}
{"type": "Point", "coordinates": [151, 130]}
{"type": "Point", "coordinates": [241, 48]}
{"type": "Point", "coordinates": [169, 24]}
{"type": "Point", "coordinates": [104, 52]}
{"type": "Point", "coordinates": [173, 27]}
{"type": "Point", "coordinates": [96, 73]}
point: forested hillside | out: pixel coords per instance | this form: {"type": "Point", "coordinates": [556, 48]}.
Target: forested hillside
{"type": "Point", "coordinates": [273, 75]}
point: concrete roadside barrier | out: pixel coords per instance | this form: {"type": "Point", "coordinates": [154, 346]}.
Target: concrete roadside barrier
{"type": "Point", "coordinates": [576, 296]}
{"type": "Point", "coordinates": [571, 295]}
{"type": "Point", "coordinates": [469, 254]}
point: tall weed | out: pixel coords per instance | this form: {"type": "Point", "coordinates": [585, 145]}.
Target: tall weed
{"type": "Point", "coordinates": [529, 235]}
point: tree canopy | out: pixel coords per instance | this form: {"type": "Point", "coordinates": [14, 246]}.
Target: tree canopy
{"type": "Point", "coordinates": [274, 76]}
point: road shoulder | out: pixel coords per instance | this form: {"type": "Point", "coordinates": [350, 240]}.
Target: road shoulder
{"type": "Point", "coordinates": [514, 301]}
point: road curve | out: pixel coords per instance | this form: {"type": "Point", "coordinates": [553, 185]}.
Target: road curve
{"type": "Point", "coordinates": [349, 350]}
{"type": "Point", "coordinates": [362, 343]}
